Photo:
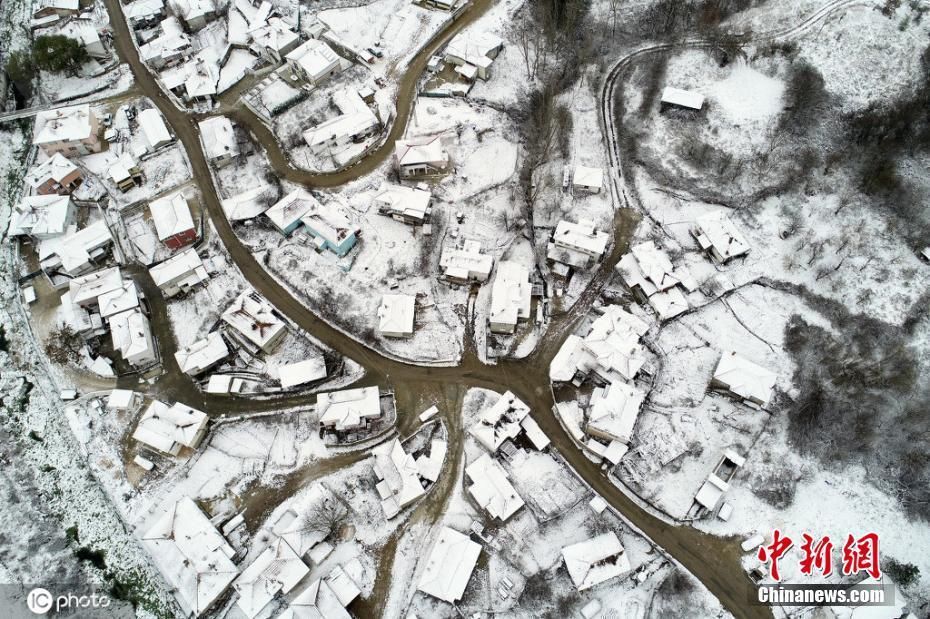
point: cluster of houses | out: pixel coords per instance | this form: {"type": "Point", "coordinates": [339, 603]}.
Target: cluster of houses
{"type": "Point", "coordinates": [201, 566]}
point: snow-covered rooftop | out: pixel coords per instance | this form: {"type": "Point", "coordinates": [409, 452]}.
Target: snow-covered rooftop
{"type": "Point", "coordinates": [183, 269]}
{"type": "Point", "coordinates": [315, 57]}
{"type": "Point", "coordinates": [716, 233]}
{"type": "Point", "coordinates": [588, 178]}
{"type": "Point", "coordinates": [398, 477]}
{"type": "Point", "coordinates": [132, 336]}
{"type": "Point", "coordinates": [466, 262]}
{"type": "Point", "coordinates": [73, 250]}
{"type": "Point", "coordinates": [472, 45]}
{"type": "Point", "coordinates": [288, 210]}
{"type": "Point", "coordinates": [302, 372]}
{"type": "Point", "coordinates": [87, 288]}
{"type": "Point", "coordinates": [745, 378]}
{"type": "Point", "coordinates": [596, 560]}
{"type": "Point", "coordinates": [171, 215]}
{"type": "Point", "coordinates": [202, 354]}
{"type": "Point", "coordinates": [277, 568]}
{"type": "Point", "coordinates": [396, 315]}
{"type": "Point", "coordinates": [348, 409]}
{"type": "Point", "coordinates": [491, 489]}
{"type": "Point", "coordinates": [614, 410]}
{"type": "Point", "coordinates": [219, 137]}
{"type": "Point", "coordinates": [153, 126]}
{"type": "Point", "coordinates": [254, 317]}
{"type": "Point", "coordinates": [511, 294]}
{"type": "Point", "coordinates": [168, 428]}
{"type": "Point", "coordinates": [42, 216]}
{"type": "Point", "coordinates": [56, 169]}
{"type": "Point", "coordinates": [64, 124]}
{"type": "Point", "coordinates": [404, 202]}
{"type": "Point", "coordinates": [500, 422]}
{"type": "Point", "coordinates": [191, 555]}
{"type": "Point", "coordinates": [581, 236]}
{"type": "Point", "coordinates": [112, 302]}
{"type": "Point", "coordinates": [449, 566]}
{"type": "Point", "coordinates": [419, 150]}
{"type": "Point", "coordinates": [683, 98]}
{"type": "Point", "coordinates": [248, 204]}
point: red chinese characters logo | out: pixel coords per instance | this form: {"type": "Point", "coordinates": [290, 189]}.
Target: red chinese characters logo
{"type": "Point", "coordinates": [859, 555]}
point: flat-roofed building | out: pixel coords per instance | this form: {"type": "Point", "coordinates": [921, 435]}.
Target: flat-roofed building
{"type": "Point", "coordinates": [511, 297]}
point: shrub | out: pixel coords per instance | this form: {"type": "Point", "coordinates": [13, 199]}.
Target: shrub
{"type": "Point", "coordinates": [56, 53]}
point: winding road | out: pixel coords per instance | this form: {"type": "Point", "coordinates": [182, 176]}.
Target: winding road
{"type": "Point", "coordinates": [715, 561]}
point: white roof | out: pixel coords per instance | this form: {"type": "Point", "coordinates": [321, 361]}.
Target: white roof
{"type": "Point", "coordinates": [73, 250]}
{"type": "Point", "coordinates": [684, 98]}
{"type": "Point", "coordinates": [55, 168]}
{"type": "Point", "coordinates": [650, 268]}
{"type": "Point", "coordinates": [596, 560]}
{"type": "Point", "coordinates": [120, 399]}
{"type": "Point", "coordinates": [153, 126]}
{"type": "Point", "coordinates": [469, 45]}
{"type": "Point", "coordinates": [744, 378]}
{"type": "Point", "coordinates": [342, 585]}
{"type": "Point", "coordinates": [611, 348]}
{"type": "Point", "coordinates": [588, 177]}
{"type": "Point", "coordinates": [398, 477]}
{"type": "Point", "coordinates": [87, 288]}
{"type": "Point", "coordinates": [430, 466]}
{"type": "Point", "coordinates": [132, 336]}
{"type": "Point", "coordinates": [396, 314]}
{"type": "Point", "coordinates": [419, 150]}
{"type": "Point", "coordinates": [171, 215]}
{"type": "Point", "coordinates": [581, 236]}
{"type": "Point", "coordinates": [330, 221]}
{"type": "Point", "coordinates": [165, 427]}
{"type": "Point", "coordinates": [306, 371]}
{"type": "Point", "coordinates": [172, 41]}
{"type": "Point", "coordinates": [191, 9]}
{"type": "Point", "coordinates": [317, 601]}
{"type": "Point", "coordinates": [342, 126]}
{"type": "Point", "coordinates": [275, 34]}
{"type": "Point", "coordinates": [289, 209]}
{"type": "Point", "coordinates": [248, 204]}
{"type": "Point", "coordinates": [406, 201]}
{"type": "Point", "coordinates": [202, 354]}
{"type": "Point", "coordinates": [449, 566]}
{"type": "Point", "coordinates": [467, 262]}
{"type": "Point", "coordinates": [511, 293]}
{"type": "Point", "coordinates": [71, 5]}
{"type": "Point", "coordinates": [315, 57]}
{"type": "Point", "coordinates": [349, 408]}
{"type": "Point", "coordinates": [185, 266]}
{"type": "Point", "coordinates": [112, 302]}
{"type": "Point", "coordinates": [191, 555]}
{"type": "Point", "coordinates": [716, 230]}
{"type": "Point", "coordinates": [669, 303]}
{"type": "Point", "coordinates": [219, 137]}
{"type": "Point", "coordinates": [121, 169]}
{"type": "Point", "coordinates": [41, 215]}
{"type": "Point", "coordinates": [535, 433]}
{"type": "Point", "coordinates": [140, 9]}
{"type": "Point", "coordinates": [253, 317]}
{"type": "Point", "coordinates": [614, 410]}
{"type": "Point", "coordinates": [711, 491]}
{"type": "Point", "coordinates": [64, 124]}
{"type": "Point", "coordinates": [277, 568]}
{"type": "Point", "coordinates": [201, 73]}
{"type": "Point", "coordinates": [491, 488]}
{"type": "Point", "coordinates": [500, 421]}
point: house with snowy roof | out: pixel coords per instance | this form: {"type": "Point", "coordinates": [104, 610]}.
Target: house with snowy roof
{"type": "Point", "coordinates": [58, 8]}
{"type": "Point", "coordinates": [318, 600]}
{"type": "Point", "coordinates": [42, 217]}
{"type": "Point", "coordinates": [125, 173]}
{"type": "Point", "coordinates": [610, 351]}
{"type": "Point", "coordinates": [355, 123]}
{"type": "Point", "coordinates": [474, 52]}
{"type": "Point", "coordinates": [449, 566]}
{"type": "Point", "coordinates": [314, 60]}
{"type": "Point", "coordinates": [286, 213]}
{"type": "Point", "coordinates": [613, 412]}
{"type": "Point", "coordinates": [180, 273]}
{"type": "Point", "coordinates": [719, 238]}
{"type": "Point", "coordinates": [418, 157]}
{"type": "Point", "coordinates": [75, 252]}
{"type": "Point", "coordinates": [466, 264]}
{"type": "Point", "coordinates": [330, 226]}
{"type": "Point", "coordinates": [249, 204]}
{"type": "Point", "coordinates": [648, 273]}
{"type": "Point", "coordinates": [203, 354]}
{"type": "Point", "coordinates": [195, 13]}
{"type": "Point", "coordinates": [577, 245]}
{"type": "Point", "coordinates": [171, 428]}
{"type": "Point", "coordinates": [491, 488]}
{"type": "Point", "coordinates": [153, 127]}
{"type": "Point", "coordinates": [349, 409]}
{"type": "Point", "coordinates": [587, 179]}
{"type": "Point", "coordinates": [170, 47]}
{"type": "Point", "coordinates": [191, 555]}
{"type": "Point", "coordinates": [407, 204]}
{"type": "Point", "coordinates": [68, 131]}
{"type": "Point", "coordinates": [596, 560]}
{"type": "Point", "coordinates": [255, 319]}
{"type": "Point", "coordinates": [84, 31]}
{"type": "Point", "coordinates": [57, 175]}
{"type": "Point", "coordinates": [511, 297]}
{"type": "Point", "coordinates": [743, 379]}
{"type": "Point", "coordinates": [86, 289]}
{"type": "Point", "coordinates": [132, 337]}
{"type": "Point", "coordinates": [396, 315]}
{"type": "Point", "coordinates": [118, 300]}
{"type": "Point", "coordinates": [500, 422]}
{"type": "Point", "coordinates": [398, 477]}
{"type": "Point", "coordinates": [302, 372]}
{"type": "Point", "coordinates": [274, 39]}
{"type": "Point", "coordinates": [144, 13]}
{"type": "Point", "coordinates": [173, 221]}
{"type": "Point", "coordinates": [277, 569]}
{"type": "Point", "coordinates": [219, 140]}
{"type": "Point", "coordinates": [677, 97]}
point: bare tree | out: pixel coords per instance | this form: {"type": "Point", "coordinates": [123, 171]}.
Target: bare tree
{"type": "Point", "coordinates": [325, 517]}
